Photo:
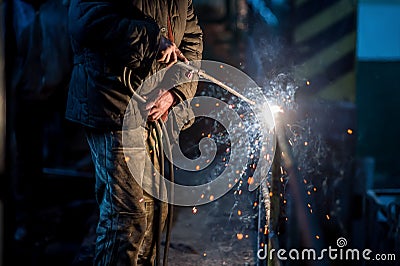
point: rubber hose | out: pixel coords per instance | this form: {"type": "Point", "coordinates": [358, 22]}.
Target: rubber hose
{"type": "Point", "coordinates": [161, 132]}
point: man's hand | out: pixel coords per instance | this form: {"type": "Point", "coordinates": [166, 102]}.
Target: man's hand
{"type": "Point", "coordinates": [159, 108]}
{"type": "Point", "coordinates": [169, 53]}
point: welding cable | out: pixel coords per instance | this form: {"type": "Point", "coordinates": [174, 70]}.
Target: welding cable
{"type": "Point", "coordinates": [169, 220]}
{"type": "Point", "coordinates": [160, 190]}
{"type": "Point", "coordinates": [160, 132]}
{"type": "Point", "coordinates": [126, 78]}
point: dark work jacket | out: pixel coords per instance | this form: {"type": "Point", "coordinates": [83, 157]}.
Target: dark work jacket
{"type": "Point", "coordinates": [108, 35]}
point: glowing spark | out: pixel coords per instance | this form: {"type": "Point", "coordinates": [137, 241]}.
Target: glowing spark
{"type": "Point", "coordinates": [250, 181]}
{"type": "Point", "coordinates": [315, 189]}
{"type": "Point", "coordinates": [194, 210]}
{"type": "Point", "coordinates": [127, 159]}
{"type": "Point", "coordinates": [349, 131]}
{"type": "Point", "coordinates": [204, 254]}
{"type": "Point", "coordinates": [317, 236]}
{"type": "Point", "coordinates": [229, 185]}
{"type": "Point", "coordinates": [255, 204]}
{"type": "Point", "coordinates": [202, 196]}
{"type": "Point", "coordinates": [217, 104]}
{"type": "Point", "coordinates": [239, 212]}
{"type": "Point", "coordinates": [271, 194]}
{"type": "Point", "coordinates": [197, 167]}
{"type": "Point", "coordinates": [197, 105]}
{"type": "Point", "coordinates": [239, 236]}
{"type": "Point", "coordinates": [211, 197]}
{"type": "Point", "coordinates": [308, 192]}
{"type": "Point", "coordinates": [327, 217]}
{"type": "Point", "coordinates": [305, 143]}
{"type": "Point", "coordinates": [308, 83]}
{"type": "Point", "coordinates": [141, 200]}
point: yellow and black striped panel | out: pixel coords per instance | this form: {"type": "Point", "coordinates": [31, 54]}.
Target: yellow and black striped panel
{"type": "Point", "coordinates": [324, 41]}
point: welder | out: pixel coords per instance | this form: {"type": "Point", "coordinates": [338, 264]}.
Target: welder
{"type": "Point", "coordinates": [108, 37]}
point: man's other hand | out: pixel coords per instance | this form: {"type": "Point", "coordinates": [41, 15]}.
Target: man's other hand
{"type": "Point", "coordinates": [170, 54]}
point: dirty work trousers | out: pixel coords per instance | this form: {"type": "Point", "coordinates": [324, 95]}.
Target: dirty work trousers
{"type": "Point", "coordinates": [129, 217]}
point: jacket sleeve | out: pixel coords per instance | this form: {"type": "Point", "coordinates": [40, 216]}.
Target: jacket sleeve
{"type": "Point", "coordinates": [107, 26]}
{"type": "Point", "coordinates": [192, 47]}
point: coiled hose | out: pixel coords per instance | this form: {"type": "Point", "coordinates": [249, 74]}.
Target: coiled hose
{"type": "Point", "coordinates": [162, 134]}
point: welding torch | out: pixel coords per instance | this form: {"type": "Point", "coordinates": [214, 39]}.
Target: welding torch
{"type": "Point", "coordinates": [190, 71]}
